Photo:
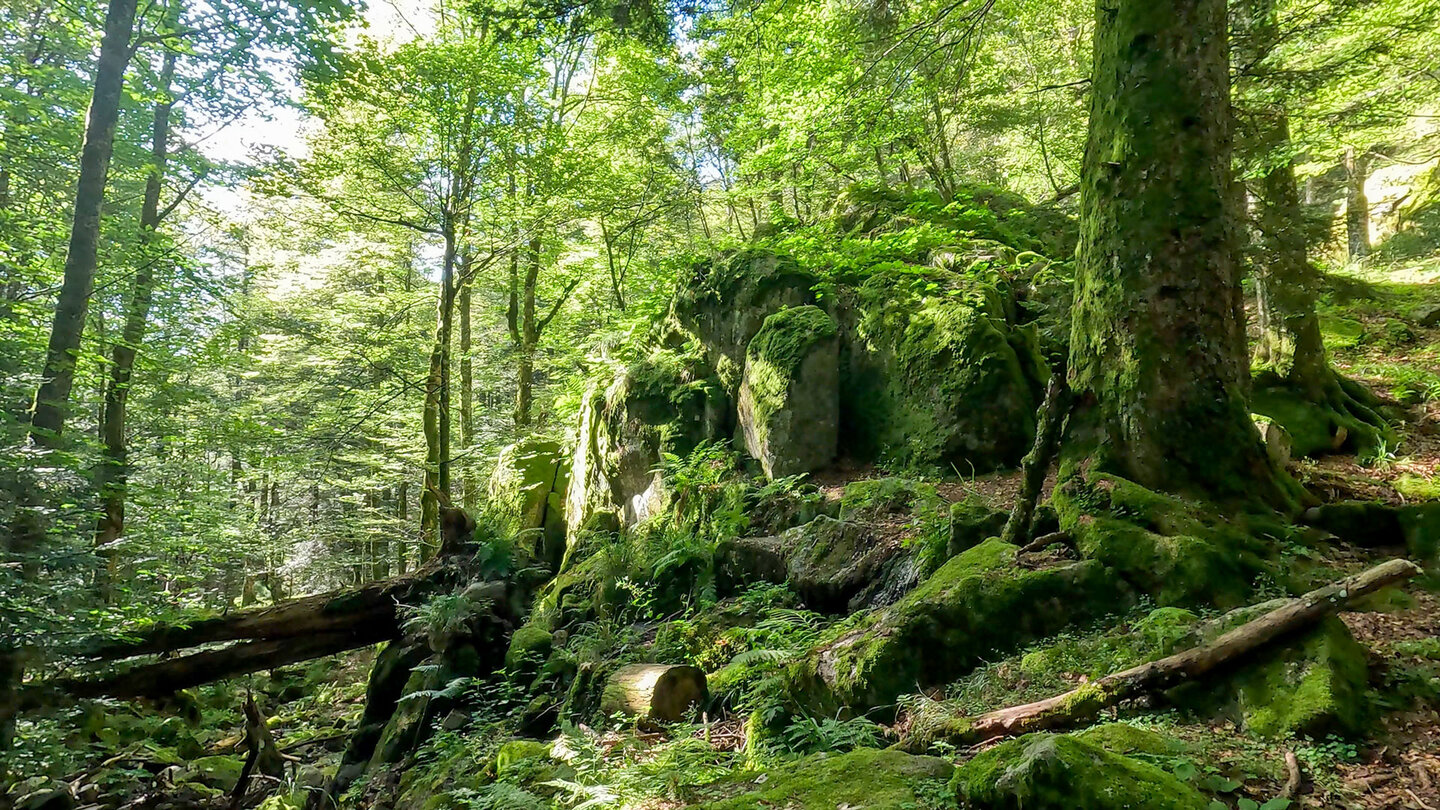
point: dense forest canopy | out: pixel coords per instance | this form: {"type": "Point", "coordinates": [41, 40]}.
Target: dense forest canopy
{"type": "Point", "coordinates": [761, 403]}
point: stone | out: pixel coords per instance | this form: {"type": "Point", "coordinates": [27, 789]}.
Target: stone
{"type": "Point", "coordinates": [522, 489]}
{"type": "Point", "coordinates": [789, 402]}
{"type": "Point", "coordinates": [1370, 524]}
{"type": "Point", "coordinates": [1278, 444]}
{"type": "Point", "coordinates": [1058, 772]}
{"type": "Point", "coordinates": [836, 566]}
{"type": "Point", "coordinates": [975, 606]}
{"type": "Point", "coordinates": [52, 798]}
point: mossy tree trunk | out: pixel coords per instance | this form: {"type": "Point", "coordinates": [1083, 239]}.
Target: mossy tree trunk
{"type": "Point", "coordinates": [1357, 205]}
{"type": "Point", "coordinates": [1158, 355]}
{"type": "Point", "coordinates": [469, 491]}
{"type": "Point", "coordinates": [1287, 285]}
{"type": "Point", "coordinates": [436, 415]}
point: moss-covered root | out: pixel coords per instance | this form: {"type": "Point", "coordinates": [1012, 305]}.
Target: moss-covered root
{"type": "Point", "coordinates": [977, 604]}
{"type": "Point", "coordinates": [878, 780]}
{"type": "Point", "coordinates": [1338, 416]}
{"type": "Point", "coordinates": [1179, 551]}
{"type": "Point", "coordinates": [1051, 772]}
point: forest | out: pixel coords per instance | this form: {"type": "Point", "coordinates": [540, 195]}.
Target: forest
{"type": "Point", "coordinates": [724, 404]}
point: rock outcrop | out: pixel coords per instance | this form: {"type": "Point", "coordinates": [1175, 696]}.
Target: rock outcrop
{"type": "Point", "coordinates": [789, 403]}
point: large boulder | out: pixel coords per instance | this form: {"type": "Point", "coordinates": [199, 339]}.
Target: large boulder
{"type": "Point", "coordinates": [789, 403]}
{"type": "Point", "coordinates": [527, 490]}
{"type": "Point", "coordinates": [1057, 772]}
{"type": "Point", "coordinates": [869, 778]}
{"type": "Point", "coordinates": [725, 302]}
{"type": "Point", "coordinates": [976, 605]}
{"type": "Point", "coordinates": [934, 373]}
{"type": "Point", "coordinates": [667, 402]}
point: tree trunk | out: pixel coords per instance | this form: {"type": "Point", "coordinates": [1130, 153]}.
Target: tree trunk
{"type": "Point", "coordinates": [1158, 356]}
{"type": "Point", "coordinates": [469, 491]}
{"type": "Point", "coordinates": [111, 475]}
{"type": "Point", "coordinates": [402, 512]}
{"type": "Point", "coordinates": [529, 337]}
{"type": "Point", "coordinates": [437, 407]}
{"type": "Point", "coordinates": [1357, 205]}
{"type": "Point", "coordinates": [53, 395]}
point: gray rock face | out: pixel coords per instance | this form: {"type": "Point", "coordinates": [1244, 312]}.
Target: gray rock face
{"type": "Point", "coordinates": [789, 403]}
{"type": "Point", "coordinates": [528, 485]}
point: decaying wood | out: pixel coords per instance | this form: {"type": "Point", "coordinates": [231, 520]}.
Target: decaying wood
{"type": "Point", "coordinates": [654, 693]}
{"type": "Point", "coordinates": [260, 752]}
{"type": "Point", "coordinates": [1294, 778]}
{"type": "Point", "coordinates": [1158, 676]}
{"type": "Point", "coordinates": [1048, 419]}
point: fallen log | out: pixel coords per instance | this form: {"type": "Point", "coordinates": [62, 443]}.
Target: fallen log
{"type": "Point", "coordinates": [654, 693]}
{"type": "Point", "coordinates": [1084, 702]}
{"type": "Point", "coordinates": [169, 676]}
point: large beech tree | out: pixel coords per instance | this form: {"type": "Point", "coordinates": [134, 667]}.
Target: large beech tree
{"type": "Point", "coordinates": [1158, 354]}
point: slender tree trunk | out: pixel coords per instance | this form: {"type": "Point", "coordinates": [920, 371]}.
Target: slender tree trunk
{"type": "Point", "coordinates": [53, 396]}
{"type": "Point", "coordinates": [112, 473]}
{"type": "Point", "coordinates": [1158, 355]}
{"type": "Point", "coordinates": [437, 406]}
{"type": "Point", "coordinates": [1357, 205]}
{"type": "Point", "coordinates": [468, 487]}
{"type": "Point", "coordinates": [402, 513]}
{"type": "Point", "coordinates": [525, 331]}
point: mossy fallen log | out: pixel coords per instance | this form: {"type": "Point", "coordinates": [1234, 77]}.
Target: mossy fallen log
{"type": "Point", "coordinates": [1157, 676]}
{"type": "Point", "coordinates": [654, 693]}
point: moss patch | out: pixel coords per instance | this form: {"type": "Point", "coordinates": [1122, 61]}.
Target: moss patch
{"type": "Point", "coordinates": [870, 778]}
{"type": "Point", "coordinates": [1053, 772]}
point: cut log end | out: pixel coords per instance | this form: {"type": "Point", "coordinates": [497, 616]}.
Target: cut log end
{"type": "Point", "coordinates": [654, 693]}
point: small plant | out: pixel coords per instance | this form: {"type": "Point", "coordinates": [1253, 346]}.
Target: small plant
{"type": "Point", "coordinates": [808, 735]}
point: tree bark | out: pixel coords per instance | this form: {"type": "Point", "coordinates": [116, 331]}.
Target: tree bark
{"type": "Point", "coordinates": [469, 491]}
{"type": "Point", "coordinates": [1158, 353]}
{"type": "Point", "coordinates": [1084, 702]}
{"type": "Point", "coordinates": [437, 406]}
{"type": "Point", "coordinates": [1357, 205]}
{"type": "Point", "coordinates": [53, 395]}
{"type": "Point", "coordinates": [111, 475]}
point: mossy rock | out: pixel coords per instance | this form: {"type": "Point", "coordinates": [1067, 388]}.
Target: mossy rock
{"type": "Point", "coordinates": [1056, 772]}
{"type": "Point", "coordinates": [522, 492]}
{"type": "Point", "coordinates": [526, 761]}
{"type": "Point", "coordinates": [867, 777]}
{"type": "Point", "coordinates": [1128, 740]}
{"type": "Point", "coordinates": [872, 498]}
{"type": "Point", "coordinates": [789, 401]}
{"type": "Point", "coordinates": [1370, 524]}
{"type": "Point", "coordinates": [938, 378]}
{"type": "Point", "coordinates": [836, 566]}
{"type": "Point", "coordinates": [723, 303]}
{"type": "Point", "coordinates": [1421, 526]}
{"type": "Point", "coordinates": [1314, 683]}
{"type": "Point", "coordinates": [1178, 551]}
{"type": "Point", "coordinates": [219, 772]}
{"type": "Point", "coordinates": [668, 401]}
{"type": "Point", "coordinates": [529, 648]}
{"type": "Point", "coordinates": [977, 604]}
{"type": "Point", "coordinates": [972, 521]}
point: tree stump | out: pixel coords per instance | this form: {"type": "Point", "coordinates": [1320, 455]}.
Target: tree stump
{"type": "Point", "coordinates": [654, 693]}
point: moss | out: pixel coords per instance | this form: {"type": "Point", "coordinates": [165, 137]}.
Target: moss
{"type": "Point", "coordinates": [972, 521]}
{"type": "Point", "coordinates": [1315, 684]}
{"type": "Point", "coordinates": [1418, 487]}
{"type": "Point", "coordinates": [529, 648]}
{"type": "Point", "coordinates": [877, 497]}
{"type": "Point", "coordinates": [975, 605]}
{"type": "Point", "coordinates": [1362, 523]}
{"type": "Point", "coordinates": [937, 378]}
{"type": "Point", "coordinates": [788, 401]}
{"type": "Point", "coordinates": [870, 778]}
{"type": "Point", "coordinates": [1179, 551]}
{"type": "Point", "coordinates": [1421, 526]}
{"type": "Point", "coordinates": [1128, 740]}
{"type": "Point", "coordinates": [1315, 428]}
{"type": "Point", "coordinates": [1052, 772]}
